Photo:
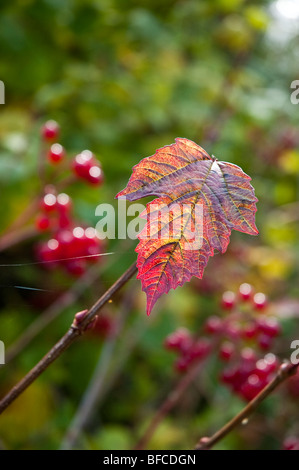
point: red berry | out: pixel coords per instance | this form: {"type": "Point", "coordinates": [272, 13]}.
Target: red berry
{"type": "Point", "coordinates": [82, 164]}
{"type": "Point", "coordinates": [81, 241]}
{"type": "Point", "coordinates": [248, 355]}
{"type": "Point", "coordinates": [229, 375]}
{"type": "Point", "coordinates": [269, 326]}
{"type": "Point", "coordinates": [182, 363]}
{"type": "Point", "coordinates": [49, 251]}
{"type": "Point", "coordinates": [265, 342]}
{"type": "Point", "coordinates": [252, 387]}
{"type": "Point", "coordinates": [250, 331]}
{"type": "Point", "coordinates": [262, 369]}
{"type": "Point", "coordinates": [95, 175]}
{"type": "Point", "coordinates": [226, 351]}
{"type": "Point", "coordinates": [228, 300]}
{"type": "Point", "coordinates": [245, 291]}
{"type": "Point", "coordinates": [179, 340]}
{"type": "Point", "coordinates": [87, 167]}
{"type": "Point", "coordinates": [42, 223]}
{"type": "Point", "coordinates": [67, 245]}
{"type": "Point", "coordinates": [93, 244]}
{"type": "Point", "coordinates": [64, 202]}
{"type": "Point", "coordinates": [272, 362]}
{"type": "Point", "coordinates": [233, 330]}
{"type": "Point", "coordinates": [48, 203]}
{"type": "Point", "coordinates": [64, 205]}
{"type": "Point", "coordinates": [259, 301]}
{"type": "Point", "coordinates": [265, 367]}
{"type": "Point", "coordinates": [64, 221]}
{"type": "Point", "coordinates": [235, 377]}
{"type": "Point", "coordinates": [78, 241]}
{"type": "Point", "coordinates": [75, 267]}
{"type": "Point", "coordinates": [56, 153]}
{"type": "Point", "coordinates": [88, 155]}
{"type": "Point", "coordinates": [200, 349]}
{"type": "Point", "coordinates": [213, 325]}
{"type": "Point", "coordinates": [246, 368]}
{"type": "Point", "coordinates": [50, 130]}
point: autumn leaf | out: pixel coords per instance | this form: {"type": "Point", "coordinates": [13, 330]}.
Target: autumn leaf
{"type": "Point", "coordinates": [200, 200]}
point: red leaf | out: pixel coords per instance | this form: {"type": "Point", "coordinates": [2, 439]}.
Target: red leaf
{"type": "Point", "coordinates": [200, 200]}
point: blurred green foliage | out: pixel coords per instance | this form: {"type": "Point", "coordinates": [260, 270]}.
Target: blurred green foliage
{"type": "Point", "coordinates": [124, 78]}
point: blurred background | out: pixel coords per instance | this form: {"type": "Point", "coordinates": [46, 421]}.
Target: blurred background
{"type": "Point", "coordinates": [123, 78]}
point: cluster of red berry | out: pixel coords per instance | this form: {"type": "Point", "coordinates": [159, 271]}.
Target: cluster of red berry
{"type": "Point", "coordinates": [245, 327]}
{"type": "Point", "coordinates": [70, 246]}
{"type": "Point", "coordinates": [258, 329]}
{"type": "Point", "coordinates": [72, 249]}
{"type": "Point", "coordinates": [87, 167]}
{"type": "Point", "coordinates": [250, 374]}
{"type": "Point", "coordinates": [188, 348]}
{"type": "Point", "coordinates": [84, 166]}
{"type": "Point", "coordinates": [248, 326]}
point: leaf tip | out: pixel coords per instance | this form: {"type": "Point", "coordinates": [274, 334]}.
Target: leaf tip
{"type": "Point", "coordinates": [120, 195]}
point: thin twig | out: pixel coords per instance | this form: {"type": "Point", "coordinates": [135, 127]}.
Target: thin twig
{"type": "Point", "coordinates": [285, 371]}
{"type": "Point", "coordinates": [73, 333]}
{"type": "Point", "coordinates": [90, 398]}
{"type": "Point", "coordinates": [169, 403]}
